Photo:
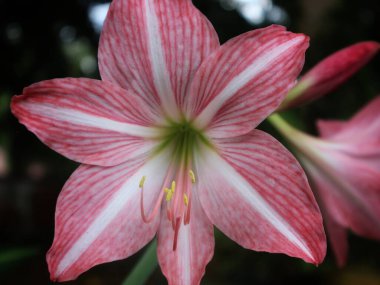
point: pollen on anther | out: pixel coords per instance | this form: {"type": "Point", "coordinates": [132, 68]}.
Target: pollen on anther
{"type": "Point", "coordinates": [169, 194]}
{"type": "Point", "coordinates": [142, 181]}
{"type": "Point", "coordinates": [192, 176]}
{"type": "Point", "coordinates": [186, 199]}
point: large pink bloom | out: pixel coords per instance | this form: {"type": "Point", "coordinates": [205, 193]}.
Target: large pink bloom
{"type": "Point", "coordinates": [168, 145]}
{"type": "Point", "coordinates": [344, 168]}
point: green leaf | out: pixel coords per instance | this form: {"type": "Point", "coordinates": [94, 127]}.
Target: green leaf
{"type": "Point", "coordinates": [144, 267]}
{"type": "Point", "coordinates": [8, 256]}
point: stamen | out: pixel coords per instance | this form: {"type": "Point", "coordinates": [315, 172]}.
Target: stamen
{"type": "Point", "coordinates": [170, 192]}
{"type": "Point", "coordinates": [145, 218]}
{"type": "Point", "coordinates": [142, 181]}
{"type": "Point", "coordinates": [176, 230]}
{"type": "Point", "coordinates": [185, 199]}
{"type": "Point", "coordinates": [192, 176]}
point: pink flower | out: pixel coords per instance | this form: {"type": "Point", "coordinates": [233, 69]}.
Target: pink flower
{"type": "Point", "coordinates": [330, 73]}
{"type": "Point", "coordinates": [344, 169]}
{"type": "Point", "coordinates": [168, 145]}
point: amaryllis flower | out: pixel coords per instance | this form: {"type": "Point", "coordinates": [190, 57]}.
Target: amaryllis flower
{"type": "Point", "coordinates": [167, 144]}
{"type": "Point", "coordinates": [344, 168]}
{"type": "Point", "coordinates": [330, 73]}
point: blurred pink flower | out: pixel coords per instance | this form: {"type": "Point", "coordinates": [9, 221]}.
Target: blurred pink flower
{"type": "Point", "coordinates": [344, 171]}
{"type": "Point", "coordinates": [168, 145]}
{"type": "Point", "coordinates": [330, 73]}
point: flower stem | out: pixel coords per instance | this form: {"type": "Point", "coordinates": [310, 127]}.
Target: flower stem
{"type": "Point", "coordinates": [285, 129]}
{"type": "Point", "coordinates": [293, 94]}
{"type": "Point", "coordinates": [144, 267]}
{"type": "Point", "coordinates": [301, 142]}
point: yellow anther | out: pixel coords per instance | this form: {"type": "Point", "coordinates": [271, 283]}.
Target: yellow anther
{"type": "Point", "coordinates": [170, 191]}
{"type": "Point", "coordinates": [185, 199]}
{"type": "Point", "coordinates": [192, 176]}
{"type": "Point", "coordinates": [169, 194]}
{"type": "Point", "coordinates": [142, 181]}
{"type": "Point", "coordinates": [173, 186]}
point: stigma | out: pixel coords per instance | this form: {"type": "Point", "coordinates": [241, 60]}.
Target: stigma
{"type": "Point", "coordinates": [175, 198]}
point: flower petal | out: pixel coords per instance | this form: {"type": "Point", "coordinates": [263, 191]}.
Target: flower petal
{"type": "Point", "coordinates": [195, 247]}
{"type": "Point", "coordinates": [358, 138]}
{"type": "Point", "coordinates": [257, 194]}
{"type": "Point", "coordinates": [154, 47]}
{"type": "Point", "coordinates": [349, 189]}
{"type": "Point", "coordinates": [329, 128]}
{"type": "Point", "coordinates": [245, 80]}
{"type": "Point", "coordinates": [338, 239]}
{"type": "Point", "coordinates": [366, 122]}
{"type": "Point", "coordinates": [331, 72]}
{"type": "Point", "coordinates": [98, 217]}
{"type": "Point", "coordinates": [89, 121]}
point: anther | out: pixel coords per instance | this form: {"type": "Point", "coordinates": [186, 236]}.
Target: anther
{"type": "Point", "coordinates": [169, 194]}
{"type": "Point", "coordinates": [192, 176]}
{"type": "Point", "coordinates": [185, 199]}
{"type": "Point", "coordinates": [142, 181]}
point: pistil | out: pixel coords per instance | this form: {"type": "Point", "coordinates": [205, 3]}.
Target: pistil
{"type": "Point", "coordinates": [176, 193]}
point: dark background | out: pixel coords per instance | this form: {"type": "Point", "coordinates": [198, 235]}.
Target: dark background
{"type": "Point", "coordinates": [45, 39]}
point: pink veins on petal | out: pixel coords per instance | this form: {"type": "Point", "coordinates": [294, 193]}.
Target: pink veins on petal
{"type": "Point", "coordinates": [168, 146]}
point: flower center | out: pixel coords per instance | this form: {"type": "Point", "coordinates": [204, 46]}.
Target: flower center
{"type": "Point", "coordinates": [182, 140]}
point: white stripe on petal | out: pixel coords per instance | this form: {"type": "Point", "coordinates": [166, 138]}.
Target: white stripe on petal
{"type": "Point", "coordinates": [157, 56]}
{"type": "Point", "coordinates": [240, 185]}
{"type": "Point", "coordinates": [252, 70]}
{"type": "Point", "coordinates": [87, 120]}
{"type": "Point", "coordinates": [158, 165]}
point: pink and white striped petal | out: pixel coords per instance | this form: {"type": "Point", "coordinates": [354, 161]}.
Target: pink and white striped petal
{"type": "Point", "coordinates": [86, 120]}
{"type": "Point", "coordinates": [349, 188]}
{"type": "Point", "coordinates": [195, 247]}
{"type": "Point", "coordinates": [267, 204]}
{"type": "Point", "coordinates": [245, 80]}
{"type": "Point", "coordinates": [358, 138]}
{"type": "Point", "coordinates": [98, 216]}
{"type": "Point", "coordinates": [366, 122]}
{"type": "Point", "coordinates": [154, 47]}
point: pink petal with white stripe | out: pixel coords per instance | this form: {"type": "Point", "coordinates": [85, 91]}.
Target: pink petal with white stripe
{"type": "Point", "coordinates": [195, 247]}
{"type": "Point", "coordinates": [86, 120]}
{"type": "Point", "coordinates": [154, 47]}
{"type": "Point", "coordinates": [98, 216]}
{"type": "Point", "coordinates": [267, 204]}
{"type": "Point", "coordinates": [366, 123]}
{"type": "Point", "coordinates": [359, 137]}
{"type": "Point", "coordinates": [349, 188]}
{"type": "Point", "coordinates": [245, 80]}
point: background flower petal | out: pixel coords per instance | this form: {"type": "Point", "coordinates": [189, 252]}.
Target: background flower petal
{"type": "Point", "coordinates": [329, 128]}
{"type": "Point", "coordinates": [366, 123]}
{"type": "Point", "coordinates": [98, 216]}
{"type": "Point", "coordinates": [245, 80]}
{"type": "Point", "coordinates": [195, 247]}
{"type": "Point", "coordinates": [154, 47]}
{"type": "Point", "coordinates": [257, 194]}
{"type": "Point", "coordinates": [338, 239]}
{"type": "Point", "coordinates": [333, 71]}
{"type": "Point", "coordinates": [86, 120]}
{"type": "Point", "coordinates": [349, 189]}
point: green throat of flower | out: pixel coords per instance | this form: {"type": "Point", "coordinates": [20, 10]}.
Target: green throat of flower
{"type": "Point", "coordinates": [184, 140]}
